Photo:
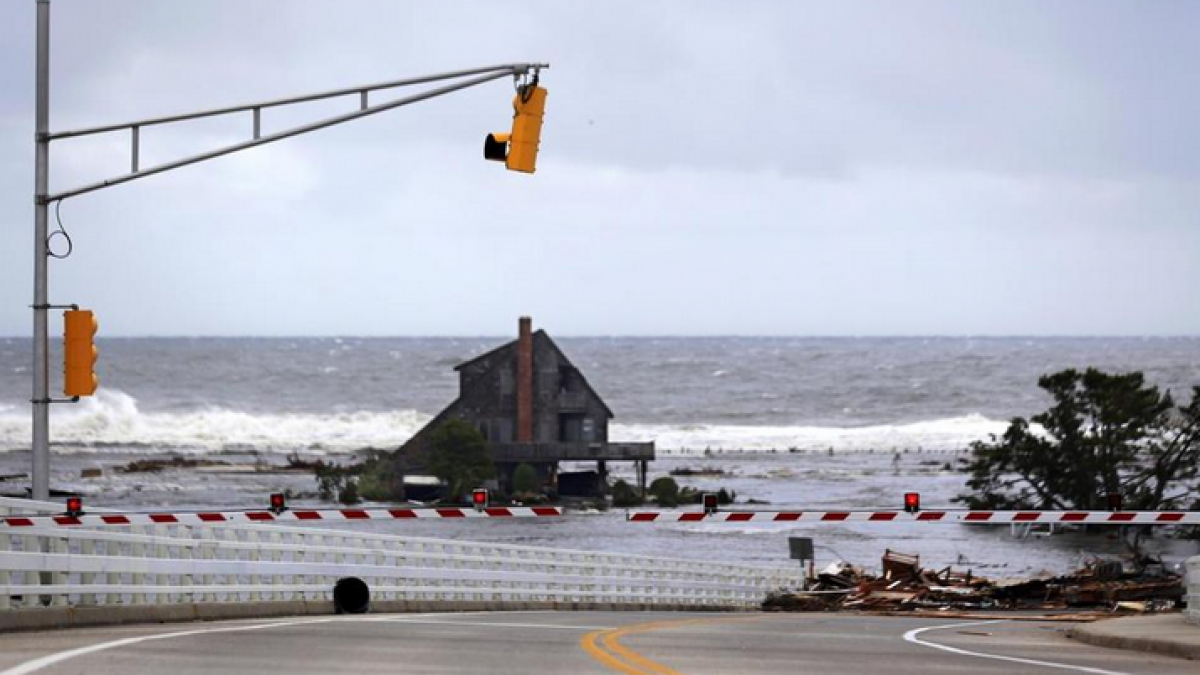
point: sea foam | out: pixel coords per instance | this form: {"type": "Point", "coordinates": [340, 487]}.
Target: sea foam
{"type": "Point", "coordinates": [111, 420]}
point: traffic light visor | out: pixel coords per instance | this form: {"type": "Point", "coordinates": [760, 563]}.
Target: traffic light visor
{"type": "Point", "coordinates": [495, 147]}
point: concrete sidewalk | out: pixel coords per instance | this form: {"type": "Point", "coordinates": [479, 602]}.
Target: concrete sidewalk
{"type": "Point", "coordinates": [1166, 634]}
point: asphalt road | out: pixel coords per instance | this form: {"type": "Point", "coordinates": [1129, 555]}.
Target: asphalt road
{"type": "Point", "coordinates": [597, 643]}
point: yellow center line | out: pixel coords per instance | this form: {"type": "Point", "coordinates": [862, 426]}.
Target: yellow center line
{"type": "Point", "coordinates": [610, 648]}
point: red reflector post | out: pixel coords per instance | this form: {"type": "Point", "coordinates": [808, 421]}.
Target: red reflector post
{"type": "Point", "coordinates": [912, 502]}
{"type": "Point", "coordinates": [479, 498]}
{"type": "Point", "coordinates": [74, 506]}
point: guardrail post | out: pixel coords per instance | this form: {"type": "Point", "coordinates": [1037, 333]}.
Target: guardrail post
{"type": "Point", "coordinates": [57, 577]}
{"type": "Point", "coordinates": [138, 579]}
{"type": "Point", "coordinates": [159, 552]}
{"type": "Point", "coordinates": [87, 547]}
{"type": "Point", "coordinates": [312, 555]}
{"type": "Point", "coordinates": [30, 544]}
{"type": "Point", "coordinates": [275, 555]}
{"type": "Point", "coordinates": [5, 575]}
{"type": "Point", "coordinates": [1192, 613]}
{"type": "Point", "coordinates": [255, 555]}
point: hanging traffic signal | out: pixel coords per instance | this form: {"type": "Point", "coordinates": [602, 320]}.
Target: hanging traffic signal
{"type": "Point", "coordinates": [912, 502]}
{"type": "Point", "coordinates": [479, 498]}
{"type": "Point", "coordinates": [709, 499]}
{"type": "Point", "coordinates": [518, 149]}
{"type": "Point", "coordinates": [79, 352]}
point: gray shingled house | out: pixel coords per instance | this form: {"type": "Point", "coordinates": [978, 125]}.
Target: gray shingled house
{"type": "Point", "coordinates": [532, 405]}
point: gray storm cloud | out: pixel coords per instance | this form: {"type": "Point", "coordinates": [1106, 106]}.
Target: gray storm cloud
{"type": "Point", "coordinates": [707, 168]}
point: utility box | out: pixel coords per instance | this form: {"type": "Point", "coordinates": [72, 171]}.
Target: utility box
{"type": "Point", "coordinates": [801, 548]}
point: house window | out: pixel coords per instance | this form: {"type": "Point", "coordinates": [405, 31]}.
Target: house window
{"type": "Point", "coordinates": [506, 382]}
{"type": "Point", "coordinates": [502, 430]}
{"type": "Point", "coordinates": [483, 430]}
{"type": "Point", "coordinates": [589, 430]}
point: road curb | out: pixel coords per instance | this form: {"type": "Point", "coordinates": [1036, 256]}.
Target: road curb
{"type": "Point", "coordinates": [59, 618]}
{"type": "Point", "coordinates": [1166, 634]}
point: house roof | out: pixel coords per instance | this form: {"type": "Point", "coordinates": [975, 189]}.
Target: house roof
{"type": "Point", "coordinates": [540, 334]}
{"type": "Point", "coordinates": [507, 345]}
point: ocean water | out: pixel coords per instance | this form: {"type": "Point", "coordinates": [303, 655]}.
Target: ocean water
{"type": "Point", "coordinates": [336, 395]}
{"type": "Point", "coordinates": [799, 423]}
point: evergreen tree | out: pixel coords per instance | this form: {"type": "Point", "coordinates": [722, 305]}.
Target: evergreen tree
{"type": "Point", "coordinates": [1105, 434]}
{"type": "Point", "coordinates": [460, 458]}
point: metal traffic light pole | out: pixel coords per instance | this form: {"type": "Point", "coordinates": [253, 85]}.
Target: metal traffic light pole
{"type": "Point", "coordinates": [41, 210]}
{"type": "Point", "coordinates": [43, 198]}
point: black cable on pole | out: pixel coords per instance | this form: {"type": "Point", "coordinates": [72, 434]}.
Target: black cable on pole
{"type": "Point", "coordinates": [61, 231]}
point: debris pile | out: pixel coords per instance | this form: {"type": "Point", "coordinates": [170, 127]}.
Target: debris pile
{"type": "Point", "coordinates": [905, 586]}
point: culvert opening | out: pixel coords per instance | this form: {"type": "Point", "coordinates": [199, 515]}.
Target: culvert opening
{"type": "Point", "coordinates": [351, 596]}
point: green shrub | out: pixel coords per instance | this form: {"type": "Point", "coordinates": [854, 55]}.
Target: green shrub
{"type": "Point", "coordinates": [460, 458]}
{"type": "Point", "coordinates": [665, 491]}
{"type": "Point", "coordinates": [525, 480]}
{"type": "Point", "coordinates": [624, 495]}
{"type": "Point", "coordinates": [349, 494]}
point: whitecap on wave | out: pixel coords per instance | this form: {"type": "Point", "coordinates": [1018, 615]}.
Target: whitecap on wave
{"type": "Point", "coordinates": [942, 434]}
{"type": "Point", "coordinates": [111, 419]}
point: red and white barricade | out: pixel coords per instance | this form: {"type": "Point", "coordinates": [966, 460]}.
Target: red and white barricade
{"type": "Point", "coordinates": [288, 516]}
{"type": "Point", "coordinates": [964, 517]}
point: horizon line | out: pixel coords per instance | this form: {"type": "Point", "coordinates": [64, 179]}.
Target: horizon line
{"type": "Point", "coordinates": [649, 336]}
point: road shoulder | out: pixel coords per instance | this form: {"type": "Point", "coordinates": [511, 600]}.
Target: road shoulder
{"type": "Point", "coordinates": [1165, 634]}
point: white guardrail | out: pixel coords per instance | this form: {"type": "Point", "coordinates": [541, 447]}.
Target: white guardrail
{"type": "Point", "coordinates": [1192, 613]}
{"type": "Point", "coordinates": [179, 563]}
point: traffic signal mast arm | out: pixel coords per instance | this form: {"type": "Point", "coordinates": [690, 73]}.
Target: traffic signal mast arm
{"type": "Point", "coordinates": [477, 76]}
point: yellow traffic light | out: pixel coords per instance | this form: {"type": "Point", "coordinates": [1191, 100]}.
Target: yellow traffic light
{"type": "Point", "coordinates": [79, 352]}
{"type": "Point", "coordinates": [518, 150]}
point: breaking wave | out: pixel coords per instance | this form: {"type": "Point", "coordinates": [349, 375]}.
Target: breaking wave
{"type": "Point", "coordinates": [111, 420]}
{"type": "Point", "coordinates": [943, 434]}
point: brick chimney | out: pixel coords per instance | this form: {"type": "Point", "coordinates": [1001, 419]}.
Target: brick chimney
{"type": "Point", "coordinates": [525, 380]}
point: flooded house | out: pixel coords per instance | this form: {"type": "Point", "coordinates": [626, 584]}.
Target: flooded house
{"type": "Point", "coordinates": [533, 406]}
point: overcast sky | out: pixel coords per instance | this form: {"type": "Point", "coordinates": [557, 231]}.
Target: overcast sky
{"type": "Point", "coordinates": [838, 168]}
